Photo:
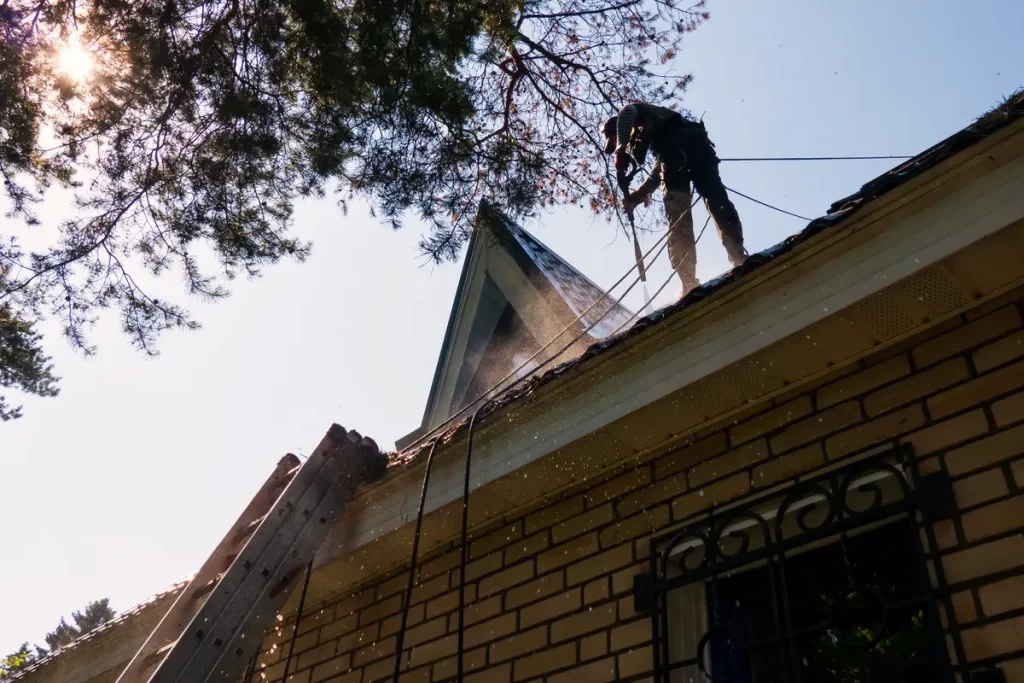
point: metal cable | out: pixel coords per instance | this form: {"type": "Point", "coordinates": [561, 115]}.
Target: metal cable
{"type": "Point", "coordinates": [766, 204]}
{"type": "Point", "coordinates": [849, 158]}
{"type": "Point", "coordinates": [465, 544]}
{"type": "Point", "coordinates": [412, 563]}
{"type": "Point", "coordinates": [298, 619]}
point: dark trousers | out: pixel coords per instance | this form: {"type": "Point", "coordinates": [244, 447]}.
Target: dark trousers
{"type": "Point", "coordinates": [687, 155]}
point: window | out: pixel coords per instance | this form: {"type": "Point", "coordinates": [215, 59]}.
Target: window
{"type": "Point", "coordinates": [826, 582]}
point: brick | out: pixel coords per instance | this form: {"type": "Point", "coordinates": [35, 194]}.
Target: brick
{"type": "Point", "coordinates": [948, 433]}
{"type": "Point", "coordinates": [567, 553]}
{"type": "Point", "coordinates": [719, 492]}
{"type": "Point", "coordinates": [339, 627]}
{"type": "Point", "coordinates": [477, 612]}
{"type": "Point", "coordinates": [379, 671]}
{"type": "Point", "coordinates": [378, 611]}
{"type": "Point", "coordinates": [945, 534]}
{"type": "Point", "coordinates": [967, 337]}
{"type": "Point", "coordinates": [1002, 596]}
{"type": "Point", "coordinates": [543, 662]}
{"type": "Point", "coordinates": [602, 563]}
{"type": "Point", "coordinates": [993, 640]}
{"type": "Point", "coordinates": [637, 525]}
{"type": "Point", "coordinates": [392, 624]}
{"type": "Point", "coordinates": [492, 629]}
{"type": "Point", "coordinates": [595, 591]}
{"type": "Point", "coordinates": [393, 585]}
{"type": "Point", "coordinates": [336, 666]}
{"type": "Point", "coordinates": [787, 466]}
{"type": "Point", "coordinates": [496, 540]}
{"type": "Point", "coordinates": [442, 564]}
{"type": "Point", "coordinates": [771, 420]}
{"type": "Point", "coordinates": [736, 459]}
{"type": "Point", "coordinates": [963, 607]}
{"type": "Point", "coordinates": [691, 454]}
{"type": "Point", "coordinates": [622, 582]}
{"type": "Point", "coordinates": [1000, 352]}
{"type": "Point", "coordinates": [496, 674]}
{"type": "Point", "coordinates": [631, 634]}
{"type": "Point", "coordinates": [354, 603]}
{"type": "Point", "coordinates": [587, 621]}
{"type": "Point", "coordinates": [651, 496]}
{"type": "Point", "coordinates": [358, 639]}
{"type": "Point", "coordinates": [549, 609]}
{"type": "Point", "coordinates": [989, 451]}
{"type": "Point", "coordinates": [433, 651]}
{"type": "Point", "coordinates": [521, 643]}
{"type": "Point", "coordinates": [1018, 473]}
{"type": "Point", "coordinates": [553, 514]}
{"type": "Point", "coordinates": [435, 628]}
{"type": "Point", "coordinates": [593, 646]}
{"type": "Point", "coordinates": [599, 672]}
{"type": "Point", "coordinates": [303, 643]}
{"type": "Point", "coordinates": [863, 381]}
{"type": "Point", "coordinates": [1009, 410]}
{"type": "Point", "coordinates": [449, 668]}
{"type": "Point", "coordinates": [375, 650]}
{"type": "Point", "coordinates": [439, 584]}
{"type": "Point", "coordinates": [449, 601]}
{"type": "Point", "coordinates": [635, 662]}
{"type": "Point", "coordinates": [975, 392]}
{"type": "Point", "coordinates": [619, 486]}
{"type": "Point", "coordinates": [510, 576]}
{"type": "Point", "coordinates": [980, 488]}
{"type": "Point", "coordinates": [994, 519]}
{"type": "Point", "coordinates": [591, 519]}
{"type": "Point", "coordinates": [916, 386]}
{"type": "Point", "coordinates": [876, 431]}
{"type": "Point", "coordinates": [481, 567]}
{"type": "Point", "coordinates": [992, 557]}
{"type": "Point", "coordinates": [526, 547]}
{"type": "Point", "coordinates": [816, 426]}
{"type": "Point", "coordinates": [535, 590]}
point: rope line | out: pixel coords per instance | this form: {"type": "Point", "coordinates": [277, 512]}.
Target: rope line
{"type": "Point", "coordinates": [465, 545]}
{"type": "Point", "coordinates": [412, 564]}
{"type": "Point", "coordinates": [766, 204]}
{"type": "Point", "coordinates": [846, 158]}
{"type": "Point", "coordinates": [298, 619]}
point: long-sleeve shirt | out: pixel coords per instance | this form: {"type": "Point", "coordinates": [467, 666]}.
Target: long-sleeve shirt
{"type": "Point", "coordinates": [649, 118]}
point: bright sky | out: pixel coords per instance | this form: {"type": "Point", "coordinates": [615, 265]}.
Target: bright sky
{"type": "Point", "coordinates": [126, 481]}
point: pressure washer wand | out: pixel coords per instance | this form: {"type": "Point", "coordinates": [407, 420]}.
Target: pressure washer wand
{"type": "Point", "coordinates": [641, 268]}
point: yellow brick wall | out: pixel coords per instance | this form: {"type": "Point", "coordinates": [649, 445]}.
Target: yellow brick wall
{"type": "Point", "coordinates": [549, 593]}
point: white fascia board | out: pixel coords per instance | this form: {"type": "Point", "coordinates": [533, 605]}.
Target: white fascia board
{"type": "Point", "coordinates": [959, 219]}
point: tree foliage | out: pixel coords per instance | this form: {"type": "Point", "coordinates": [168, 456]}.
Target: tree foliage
{"type": "Point", "coordinates": [23, 365]}
{"type": "Point", "coordinates": [203, 121]}
{"type": "Point", "coordinates": [94, 615]}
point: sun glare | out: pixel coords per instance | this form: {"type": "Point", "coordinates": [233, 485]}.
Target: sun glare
{"type": "Point", "coordinates": [74, 61]}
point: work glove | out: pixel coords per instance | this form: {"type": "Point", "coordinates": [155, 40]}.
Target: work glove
{"type": "Point", "coordinates": [629, 204]}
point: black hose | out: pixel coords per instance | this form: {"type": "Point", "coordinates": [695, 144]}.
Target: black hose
{"type": "Point", "coordinates": [465, 545]}
{"type": "Point", "coordinates": [298, 618]}
{"type": "Point", "coordinates": [412, 563]}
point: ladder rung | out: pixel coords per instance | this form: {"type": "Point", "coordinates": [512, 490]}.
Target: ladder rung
{"type": "Point", "coordinates": [205, 589]}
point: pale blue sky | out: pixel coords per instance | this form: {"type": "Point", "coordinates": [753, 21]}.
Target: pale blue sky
{"type": "Point", "coordinates": [125, 482]}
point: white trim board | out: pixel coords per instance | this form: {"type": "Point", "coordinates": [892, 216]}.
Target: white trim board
{"type": "Point", "coordinates": [947, 226]}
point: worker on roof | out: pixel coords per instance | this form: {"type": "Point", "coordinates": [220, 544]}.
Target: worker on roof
{"type": "Point", "coordinates": [682, 154]}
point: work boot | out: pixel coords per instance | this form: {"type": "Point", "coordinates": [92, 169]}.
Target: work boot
{"type": "Point", "coordinates": [688, 285]}
{"type": "Point", "coordinates": [737, 254]}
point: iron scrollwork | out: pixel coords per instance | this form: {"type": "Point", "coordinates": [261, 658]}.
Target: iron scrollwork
{"type": "Point", "coordinates": [793, 584]}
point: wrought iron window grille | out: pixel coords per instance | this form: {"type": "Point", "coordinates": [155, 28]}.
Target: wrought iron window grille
{"type": "Point", "coordinates": [823, 580]}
